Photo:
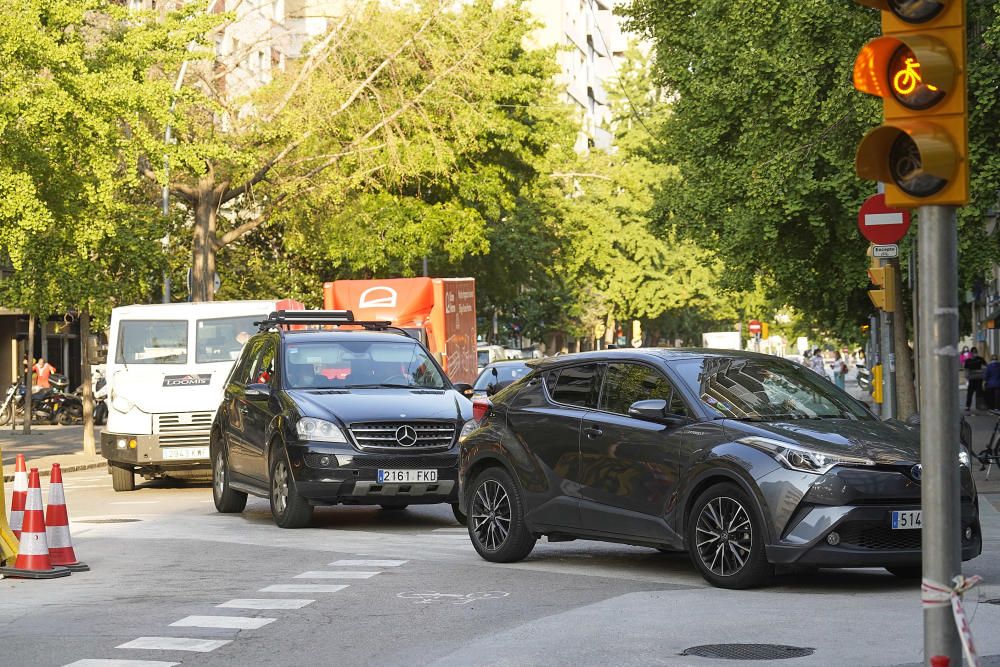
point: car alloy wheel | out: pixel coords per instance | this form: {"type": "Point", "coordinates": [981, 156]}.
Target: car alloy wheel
{"type": "Point", "coordinates": [219, 475]}
{"type": "Point", "coordinates": [725, 536]}
{"type": "Point", "coordinates": [279, 488]}
{"type": "Point", "coordinates": [491, 515]}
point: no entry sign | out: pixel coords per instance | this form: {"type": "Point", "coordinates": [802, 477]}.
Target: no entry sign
{"type": "Point", "coordinates": [754, 327]}
{"type": "Point", "coordinates": [882, 224]}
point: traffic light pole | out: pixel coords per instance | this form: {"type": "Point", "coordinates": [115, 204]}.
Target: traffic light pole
{"type": "Point", "coordinates": [887, 354]}
{"type": "Point", "coordinates": [939, 428]}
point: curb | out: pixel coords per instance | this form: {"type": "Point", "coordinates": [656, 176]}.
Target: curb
{"type": "Point", "coordinates": [70, 468]}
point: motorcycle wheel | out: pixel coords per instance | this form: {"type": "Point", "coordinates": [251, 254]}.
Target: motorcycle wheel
{"type": "Point", "coordinates": [64, 418]}
{"type": "Point", "coordinates": [7, 414]}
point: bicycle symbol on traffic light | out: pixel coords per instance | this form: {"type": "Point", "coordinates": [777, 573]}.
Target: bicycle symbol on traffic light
{"type": "Point", "coordinates": [908, 78]}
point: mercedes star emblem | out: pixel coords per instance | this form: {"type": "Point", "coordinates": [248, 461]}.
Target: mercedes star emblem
{"type": "Point", "coordinates": [915, 472]}
{"type": "Point", "coordinates": [406, 436]}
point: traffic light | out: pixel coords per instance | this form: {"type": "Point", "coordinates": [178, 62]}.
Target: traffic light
{"type": "Point", "coordinates": [918, 69]}
{"type": "Point", "coordinates": [884, 277]}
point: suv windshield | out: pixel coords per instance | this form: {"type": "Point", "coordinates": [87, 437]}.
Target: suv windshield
{"type": "Point", "coordinates": [152, 342]}
{"type": "Point", "coordinates": [222, 339]}
{"type": "Point", "coordinates": [766, 390]}
{"type": "Point", "coordinates": [347, 364]}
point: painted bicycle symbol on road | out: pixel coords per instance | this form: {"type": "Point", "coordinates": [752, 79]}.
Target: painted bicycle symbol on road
{"type": "Point", "coordinates": [430, 597]}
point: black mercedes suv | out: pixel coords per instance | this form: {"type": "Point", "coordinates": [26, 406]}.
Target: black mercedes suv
{"type": "Point", "coordinates": [350, 412]}
{"type": "Point", "coordinates": [746, 461]}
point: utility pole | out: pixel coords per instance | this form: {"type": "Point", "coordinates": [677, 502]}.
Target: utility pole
{"type": "Point", "coordinates": [888, 356]}
{"type": "Point", "coordinates": [167, 140]}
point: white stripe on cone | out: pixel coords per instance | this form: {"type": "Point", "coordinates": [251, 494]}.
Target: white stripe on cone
{"type": "Point", "coordinates": [20, 481]}
{"type": "Point", "coordinates": [33, 544]}
{"type": "Point", "coordinates": [34, 502]}
{"type": "Point", "coordinates": [58, 537]}
{"type": "Point", "coordinates": [16, 520]}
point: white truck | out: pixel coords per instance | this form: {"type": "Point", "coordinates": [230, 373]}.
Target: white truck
{"type": "Point", "coordinates": [166, 370]}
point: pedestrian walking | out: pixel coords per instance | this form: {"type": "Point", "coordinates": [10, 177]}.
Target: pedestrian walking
{"type": "Point", "coordinates": [840, 370]}
{"type": "Point", "coordinates": [991, 380]}
{"type": "Point", "coordinates": [43, 370]}
{"type": "Point", "coordinates": [962, 358]}
{"type": "Point", "coordinates": [974, 369]}
{"type": "Point", "coordinates": [818, 364]}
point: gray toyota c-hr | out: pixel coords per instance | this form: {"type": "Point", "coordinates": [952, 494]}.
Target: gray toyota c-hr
{"type": "Point", "coordinates": [746, 461]}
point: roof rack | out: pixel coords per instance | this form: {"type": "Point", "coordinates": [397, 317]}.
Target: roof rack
{"type": "Point", "coordinates": [287, 318]}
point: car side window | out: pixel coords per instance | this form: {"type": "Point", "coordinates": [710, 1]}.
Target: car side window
{"type": "Point", "coordinates": [249, 359]}
{"type": "Point", "coordinates": [625, 383]}
{"type": "Point", "coordinates": [262, 370]}
{"type": "Point", "coordinates": [576, 385]}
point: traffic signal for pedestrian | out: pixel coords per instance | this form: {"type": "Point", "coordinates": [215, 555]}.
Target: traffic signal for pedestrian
{"type": "Point", "coordinates": [884, 277]}
{"type": "Point", "coordinates": [918, 69]}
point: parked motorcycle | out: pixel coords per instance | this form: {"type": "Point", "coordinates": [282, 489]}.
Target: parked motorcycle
{"type": "Point", "coordinates": [46, 405]}
{"type": "Point", "coordinates": [100, 400]}
{"type": "Point", "coordinates": [67, 407]}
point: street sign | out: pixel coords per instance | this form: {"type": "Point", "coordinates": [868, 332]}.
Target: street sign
{"type": "Point", "coordinates": [754, 327]}
{"type": "Point", "coordinates": [882, 224]}
{"type": "Point", "coordinates": [885, 251]}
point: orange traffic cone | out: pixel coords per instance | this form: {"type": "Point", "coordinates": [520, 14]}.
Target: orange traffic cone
{"type": "Point", "coordinates": [19, 496]}
{"type": "Point", "coordinates": [33, 552]}
{"type": "Point", "coordinates": [57, 525]}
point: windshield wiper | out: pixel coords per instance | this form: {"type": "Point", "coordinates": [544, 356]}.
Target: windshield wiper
{"type": "Point", "coordinates": [766, 418]}
{"type": "Point", "coordinates": [379, 385]}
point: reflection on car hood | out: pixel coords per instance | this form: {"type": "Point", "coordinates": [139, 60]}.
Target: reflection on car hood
{"type": "Point", "coordinates": [363, 405]}
{"type": "Point", "coordinates": [881, 441]}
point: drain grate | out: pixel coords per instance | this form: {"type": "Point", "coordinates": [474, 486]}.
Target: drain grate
{"type": "Point", "coordinates": [108, 520]}
{"type": "Point", "coordinates": [748, 651]}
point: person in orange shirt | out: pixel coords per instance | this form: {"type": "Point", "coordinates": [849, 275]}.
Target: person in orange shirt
{"type": "Point", "coordinates": [43, 370]}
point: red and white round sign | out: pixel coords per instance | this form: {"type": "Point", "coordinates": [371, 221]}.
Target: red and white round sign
{"type": "Point", "coordinates": [882, 224]}
{"type": "Point", "coordinates": [754, 327]}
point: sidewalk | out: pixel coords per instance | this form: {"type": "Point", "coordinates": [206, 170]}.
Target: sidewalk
{"type": "Point", "coordinates": [47, 445]}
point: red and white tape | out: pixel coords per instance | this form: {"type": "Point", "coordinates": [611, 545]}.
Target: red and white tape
{"type": "Point", "coordinates": [934, 595]}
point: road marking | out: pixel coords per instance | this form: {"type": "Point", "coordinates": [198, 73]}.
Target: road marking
{"type": "Point", "coordinates": [176, 644]}
{"type": "Point", "coordinates": [230, 622]}
{"type": "Point", "coordinates": [368, 563]}
{"type": "Point", "coordinates": [303, 588]}
{"type": "Point", "coordinates": [91, 662]}
{"type": "Point", "coordinates": [450, 530]}
{"type": "Point", "coordinates": [330, 574]}
{"type": "Point", "coordinates": [135, 502]}
{"type": "Point", "coordinates": [73, 487]}
{"type": "Point", "coordinates": [273, 603]}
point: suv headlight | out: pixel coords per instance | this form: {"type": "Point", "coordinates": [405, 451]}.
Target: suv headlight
{"type": "Point", "coordinates": [467, 429]}
{"type": "Point", "coordinates": [796, 457]}
{"type": "Point", "coordinates": [310, 428]}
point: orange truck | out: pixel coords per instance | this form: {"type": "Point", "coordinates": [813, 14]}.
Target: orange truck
{"type": "Point", "coordinates": [440, 312]}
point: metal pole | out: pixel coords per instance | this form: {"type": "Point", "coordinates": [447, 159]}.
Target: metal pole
{"type": "Point", "coordinates": [939, 416]}
{"type": "Point", "coordinates": [914, 291]}
{"type": "Point", "coordinates": [873, 356]}
{"type": "Point", "coordinates": [887, 354]}
{"type": "Point", "coordinates": [167, 139]}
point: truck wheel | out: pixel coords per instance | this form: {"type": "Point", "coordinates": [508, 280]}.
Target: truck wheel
{"type": "Point", "coordinates": [227, 501]}
{"type": "Point", "coordinates": [122, 478]}
{"type": "Point", "coordinates": [289, 509]}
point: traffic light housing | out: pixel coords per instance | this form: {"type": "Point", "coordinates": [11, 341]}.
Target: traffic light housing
{"type": "Point", "coordinates": [884, 277]}
{"type": "Point", "coordinates": [918, 68]}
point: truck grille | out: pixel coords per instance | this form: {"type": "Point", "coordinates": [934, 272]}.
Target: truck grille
{"type": "Point", "coordinates": [403, 435]}
{"type": "Point", "coordinates": [183, 428]}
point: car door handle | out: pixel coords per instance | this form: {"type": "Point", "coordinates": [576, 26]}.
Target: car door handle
{"type": "Point", "coordinates": [593, 432]}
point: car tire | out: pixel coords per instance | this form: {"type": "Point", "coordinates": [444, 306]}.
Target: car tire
{"type": "Point", "coordinates": [122, 478]}
{"type": "Point", "coordinates": [459, 515]}
{"type": "Point", "coordinates": [289, 509]}
{"type": "Point", "coordinates": [393, 508]}
{"type": "Point", "coordinates": [495, 499]}
{"type": "Point", "coordinates": [227, 500]}
{"type": "Point", "coordinates": [725, 531]}
{"type": "Point", "coordinates": [907, 571]}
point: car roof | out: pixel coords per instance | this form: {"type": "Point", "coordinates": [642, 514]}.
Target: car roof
{"type": "Point", "coordinates": [647, 353]}
{"type": "Point", "coordinates": [313, 335]}
{"type": "Point", "coordinates": [505, 362]}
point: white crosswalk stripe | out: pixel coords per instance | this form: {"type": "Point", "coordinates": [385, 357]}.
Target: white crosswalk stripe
{"type": "Point", "coordinates": [332, 574]}
{"type": "Point", "coordinates": [303, 588]}
{"type": "Point", "coordinates": [264, 603]}
{"type": "Point", "coordinates": [229, 622]}
{"type": "Point", "coordinates": [176, 644]}
{"type": "Point", "coordinates": [92, 662]}
{"type": "Point", "coordinates": [368, 563]}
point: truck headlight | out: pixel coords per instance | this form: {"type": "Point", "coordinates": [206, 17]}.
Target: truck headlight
{"type": "Point", "coordinates": [310, 428]}
{"type": "Point", "coordinates": [797, 457]}
{"type": "Point", "coordinates": [120, 403]}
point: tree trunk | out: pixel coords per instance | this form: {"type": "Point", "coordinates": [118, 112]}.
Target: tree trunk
{"type": "Point", "coordinates": [89, 443]}
{"type": "Point", "coordinates": [27, 375]}
{"type": "Point", "coordinates": [906, 395]}
{"type": "Point", "coordinates": [203, 255]}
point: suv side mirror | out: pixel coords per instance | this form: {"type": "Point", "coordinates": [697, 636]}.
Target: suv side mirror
{"type": "Point", "coordinates": [464, 389]}
{"type": "Point", "coordinates": [655, 410]}
{"type": "Point", "coordinates": [257, 391]}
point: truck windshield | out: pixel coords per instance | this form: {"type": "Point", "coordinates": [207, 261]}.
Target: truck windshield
{"type": "Point", "coordinates": [222, 339]}
{"type": "Point", "coordinates": [767, 390]}
{"type": "Point", "coordinates": [355, 364]}
{"type": "Point", "coordinates": [152, 342]}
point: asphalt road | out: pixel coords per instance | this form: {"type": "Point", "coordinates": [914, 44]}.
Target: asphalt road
{"type": "Point", "coordinates": [371, 587]}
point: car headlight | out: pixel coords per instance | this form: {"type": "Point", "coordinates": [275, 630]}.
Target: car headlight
{"type": "Point", "coordinates": [120, 403]}
{"type": "Point", "coordinates": [963, 458]}
{"type": "Point", "coordinates": [467, 429]}
{"type": "Point", "coordinates": [310, 428]}
{"type": "Point", "coordinates": [796, 457]}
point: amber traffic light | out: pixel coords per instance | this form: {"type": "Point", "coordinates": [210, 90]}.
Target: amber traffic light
{"type": "Point", "coordinates": [884, 277]}
{"type": "Point", "coordinates": [918, 69]}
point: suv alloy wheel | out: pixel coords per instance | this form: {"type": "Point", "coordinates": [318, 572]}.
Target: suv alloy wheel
{"type": "Point", "coordinates": [496, 518]}
{"type": "Point", "coordinates": [289, 509]}
{"type": "Point", "coordinates": [725, 539]}
{"type": "Point", "coordinates": [226, 499]}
